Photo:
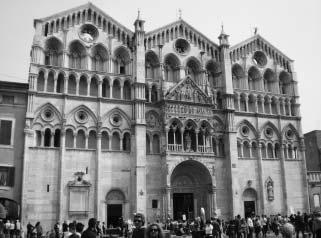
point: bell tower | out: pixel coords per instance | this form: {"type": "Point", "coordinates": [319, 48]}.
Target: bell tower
{"type": "Point", "coordinates": [139, 162]}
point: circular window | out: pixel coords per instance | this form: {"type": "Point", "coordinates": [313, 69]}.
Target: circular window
{"type": "Point", "coordinates": [88, 33]}
{"type": "Point", "coordinates": [245, 130]}
{"type": "Point", "coordinates": [81, 116]}
{"type": "Point", "coordinates": [116, 120]}
{"type": "Point", "coordinates": [269, 132]}
{"type": "Point", "coordinates": [47, 115]}
{"type": "Point", "coordinates": [181, 46]}
{"type": "Point", "coordinates": [289, 134]}
{"type": "Point", "coordinates": [259, 58]}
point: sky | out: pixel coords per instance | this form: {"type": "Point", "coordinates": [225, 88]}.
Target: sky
{"type": "Point", "coordinates": [293, 26]}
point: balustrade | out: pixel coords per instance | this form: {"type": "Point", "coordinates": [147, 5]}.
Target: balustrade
{"type": "Point", "coordinates": [314, 177]}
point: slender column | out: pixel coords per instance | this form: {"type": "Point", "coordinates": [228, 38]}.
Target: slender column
{"type": "Point", "coordinates": [149, 93]}
{"type": "Point", "coordinates": [86, 141]}
{"type": "Point", "coordinates": [270, 105]}
{"type": "Point", "coordinates": [242, 153]}
{"type": "Point", "coordinates": [256, 109]}
{"type": "Point", "coordinates": [60, 189]}
{"type": "Point", "coordinates": [74, 140]}
{"type": "Point", "coordinates": [182, 138]}
{"type": "Point", "coordinates": [289, 108]}
{"type": "Point", "coordinates": [238, 96]}
{"type": "Point", "coordinates": [168, 201]}
{"type": "Point", "coordinates": [77, 85]}
{"type": "Point", "coordinates": [46, 81]}
{"type": "Point", "coordinates": [99, 204]}
{"type": "Point", "coordinates": [283, 106]}
{"type": "Point", "coordinates": [278, 110]}
{"type": "Point", "coordinates": [262, 103]}
{"type": "Point", "coordinates": [250, 148]}
{"type": "Point", "coordinates": [213, 202]}
{"type": "Point", "coordinates": [100, 82]}
{"type": "Point", "coordinates": [217, 149]}
{"type": "Point", "coordinates": [121, 143]}
{"type": "Point", "coordinates": [52, 139]}
{"type": "Point", "coordinates": [111, 90]}
{"type": "Point", "coordinates": [260, 168]}
{"type": "Point", "coordinates": [88, 86]}
{"type": "Point", "coordinates": [246, 98]}
{"type": "Point", "coordinates": [284, 183]}
{"type": "Point", "coordinates": [166, 137]}
{"type": "Point", "coordinates": [286, 151]}
{"type": "Point", "coordinates": [55, 83]}
{"type": "Point", "coordinates": [151, 145]}
{"type": "Point", "coordinates": [42, 138]}
{"type": "Point", "coordinates": [196, 133]}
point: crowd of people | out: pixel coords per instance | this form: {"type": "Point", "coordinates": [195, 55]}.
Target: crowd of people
{"type": "Point", "coordinates": [251, 227]}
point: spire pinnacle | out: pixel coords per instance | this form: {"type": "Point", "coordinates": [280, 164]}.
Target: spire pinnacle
{"type": "Point", "coordinates": [138, 14]}
{"type": "Point", "coordinates": [222, 29]}
{"type": "Point", "coordinates": [180, 14]}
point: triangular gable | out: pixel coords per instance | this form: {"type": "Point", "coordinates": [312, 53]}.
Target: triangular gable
{"type": "Point", "coordinates": [86, 6]}
{"type": "Point", "coordinates": [262, 40]}
{"type": "Point", "coordinates": [188, 91]}
{"type": "Point", "coordinates": [177, 24]}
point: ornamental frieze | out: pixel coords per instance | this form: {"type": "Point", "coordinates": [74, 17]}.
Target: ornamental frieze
{"type": "Point", "coordinates": [179, 109]}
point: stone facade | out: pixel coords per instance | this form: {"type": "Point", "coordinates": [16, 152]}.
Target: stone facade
{"type": "Point", "coordinates": [313, 160]}
{"type": "Point", "coordinates": [162, 122]}
{"type": "Point", "coordinates": [13, 107]}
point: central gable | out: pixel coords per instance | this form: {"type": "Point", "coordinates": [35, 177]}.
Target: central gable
{"type": "Point", "coordinates": [188, 91]}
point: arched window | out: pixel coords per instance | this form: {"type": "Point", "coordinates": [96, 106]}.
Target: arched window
{"type": "Point", "coordinates": [122, 61]}
{"type": "Point", "coordinates": [38, 138]}
{"type": "Point", "coordinates": [126, 142]}
{"type": "Point", "coordinates": [41, 82]}
{"type": "Point", "coordinates": [285, 83]}
{"type": "Point", "coordinates": [60, 83]}
{"type": "Point", "coordinates": [171, 68]}
{"type": "Point", "coordinates": [146, 92]}
{"type": "Point", "coordinates": [57, 138]}
{"type": "Point", "coordinates": [290, 153]}
{"type": "Point", "coordinates": [50, 82]}
{"type": "Point", "coordinates": [251, 103]}
{"type": "Point", "coordinates": [156, 144]}
{"type": "Point", "coordinates": [77, 55]}
{"type": "Point", "coordinates": [239, 149]}
{"type": "Point", "coordinates": [116, 89]}
{"type": "Point", "coordinates": [151, 65]}
{"type": "Point", "coordinates": [193, 69]}
{"type": "Point", "coordinates": [214, 74]}
{"type": "Point", "coordinates": [83, 85]}
{"type": "Point", "coordinates": [154, 96]}
{"type": "Point", "coordinates": [269, 81]}
{"type": "Point", "coordinates": [47, 139]}
{"type": "Point", "coordinates": [99, 58]}
{"type": "Point", "coordinates": [127, 90]}
{"type": "Point", "coordinates": [94, 87]}
{"type": "Point", "coordinates": [254, 79]}
{"type": "Point", "coordinates": [92, 140]}
{"type": "Point", "coordinates": [147, 145]}
{"type": "Point", "coordinates": [53, 52]}
{"type": "Point", "coordinates": [115, 142]}
{"type": "Point", "coordinates": [104, 141]}
{"type": "Point", "coordinates": [72, 84]}
{"type": "Point", "coordinates": [277, 150]}
{"type": "Point", "coordinates": [263, 150]}
{"type": "Point", "coordinates": [267, 105]}
{"type": "Point", "coordinates": [246, 149]}
{"type": "Point", "coordinates": [81, 139]}
{"type": "Point", "coordinates": [270, 151]}
{"type": "Point", "coordinates": [238, 77]}
{"type": "Point", "coordinates": [254, 150]}
{"type": "Point", "coordinates": [105, 88]}
{"type": "Point", "coordinates": [69, 143]}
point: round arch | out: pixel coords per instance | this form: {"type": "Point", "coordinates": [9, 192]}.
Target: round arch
{"type": "Point", "coordinates": [191, 184]}
{"type": "Point", "coordinates": [115, 206]}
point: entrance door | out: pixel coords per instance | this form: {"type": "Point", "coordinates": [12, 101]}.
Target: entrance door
{"type": "Point", "coordinates": [183, 204]}
{"type": "Point", "coordinates": [249, 208]}
{"type": "Point", "coordinates": [114, 212]}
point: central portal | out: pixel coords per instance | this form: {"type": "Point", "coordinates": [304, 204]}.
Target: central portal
{"type": "Point", "coordinates": [183, 204]}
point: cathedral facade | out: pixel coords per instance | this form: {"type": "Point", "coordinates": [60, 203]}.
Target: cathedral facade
{"type": "Point", "coordinates": [164, 122]}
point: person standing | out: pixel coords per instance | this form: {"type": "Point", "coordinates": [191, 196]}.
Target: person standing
{"type": "Point", "coordinates": [39, 230]}
{"type": "Point", "coordinates": [90, 232]}
{"type": "Point", "coordinates": [139, 230]}
{"type": "Point", "coordinates": [250, 226]}
{"type": "Point", "coordinates": [154, 231]}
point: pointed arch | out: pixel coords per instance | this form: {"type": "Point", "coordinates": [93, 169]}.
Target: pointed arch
{"type": "Point", "coordinates": [119, 111]}
{"type": "Point", "coordinates": [214, 71]}
{"type": "Point", "coordinates": [290, 126]}
{"type": "Point", "coordinates": [48, 106]}
{"type": "Point", "coordinates": [151, 65]}
{"type": "Point", "coordinates": [270, 124]}
{"type": "Point", "coordinates": [84, 108]}
{"type": "Point", "coordinates": [250, 125]}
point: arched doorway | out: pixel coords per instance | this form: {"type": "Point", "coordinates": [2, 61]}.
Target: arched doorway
{"type": "Point", "coordinates": [249, 201]}
{"type": "Point", "coordinates": [191, 186]}
{"type": "Point", "coordinates": [115, 200]}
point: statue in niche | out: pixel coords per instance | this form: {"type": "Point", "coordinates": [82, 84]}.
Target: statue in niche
{"type": "Point", "coordinates": [188, 142]}
{"type": "Point", "coordinates": [270, 190]}
{"type": "Point", "coordinates": [188, 92]}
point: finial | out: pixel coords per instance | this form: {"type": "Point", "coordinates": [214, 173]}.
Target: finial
{"type": "Point", "coordinates": [222, 29]}
{"type": "Point", "coordinates": [180, 14]}
{"type": "Point", "coordinates": [138, 14]}
{"type": "Point", "coordinates": [255, 30]}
